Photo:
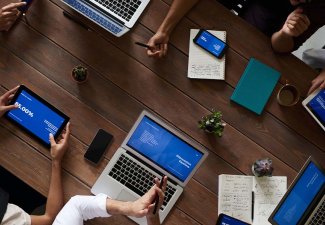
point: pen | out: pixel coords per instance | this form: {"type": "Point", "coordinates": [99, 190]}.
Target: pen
{"type": "Point", "coordinates": [253, 205]}
{"type": "Point", "coordinates": [157, 197]}
{"type": "Point", "coordinates": [76, 20]}
{"type": "Point", "coordinates": [143, 45]}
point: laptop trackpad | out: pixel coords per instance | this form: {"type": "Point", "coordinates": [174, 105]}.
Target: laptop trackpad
{"type": "Point", "coordinates": [126, 196]}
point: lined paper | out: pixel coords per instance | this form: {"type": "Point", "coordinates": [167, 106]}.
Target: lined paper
{"type": "Point", "coordinates": [202, 65]}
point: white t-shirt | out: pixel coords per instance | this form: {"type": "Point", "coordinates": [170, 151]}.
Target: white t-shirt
{"type": "Point", "coordinates": [80, 208]}
{"type": "Point", "coordinates": [15, 216]}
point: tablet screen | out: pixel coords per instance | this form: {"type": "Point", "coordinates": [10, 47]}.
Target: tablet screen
{"type": "Point", "coordinates": [36, 115]}
{"type": "Point", "coordinates": [317, 106]}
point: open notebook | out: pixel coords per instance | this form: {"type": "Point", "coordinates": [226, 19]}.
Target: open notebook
{"type": "Point", "coordinates": [248, 198]}
{"type": "Point", "coordinates": [201, 64]}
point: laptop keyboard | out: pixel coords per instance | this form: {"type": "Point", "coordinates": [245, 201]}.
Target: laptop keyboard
{"type": "Point", "coordinates": [96, 17]}
{"type": "Point", "coordinates": [131, 174]}
{"type": "Point", "coordinates": [123, 8]}
{"type": "Point", "coordinates": [319, 216]}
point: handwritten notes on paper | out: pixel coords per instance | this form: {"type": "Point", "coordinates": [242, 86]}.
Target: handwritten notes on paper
{"type": "Point", "coordinates": [203, 65]}
{"type": "Point", "coordinates": [268, 193]}
{"type": "Point", "coordinates": [235, 196]}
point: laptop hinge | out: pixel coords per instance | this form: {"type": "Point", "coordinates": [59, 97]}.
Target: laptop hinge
{"type": "Point", "coordinates": [88, 2]}
{"type": "Point", "coordinates": [152, 168]}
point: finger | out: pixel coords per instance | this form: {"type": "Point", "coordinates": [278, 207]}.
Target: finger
{"type": "Point", "coordinates": [9, 14]}
{"type": "Point", "coordinates": [9, 107]}
{"type": "Point", "coordinates": [153, 54]}
{"type": "Point", "coordinates": [10, 92]}
{"type": "Point", "coordinates": [322, 86]}
{"type": "Point", "coordinates": [67, 132]}
{"type": "Point", "coordinates": [165, 48]}
{"type": "Point", "coordinates": [52, 141]}
{"type": "Point", "coordinates": [12, 6]}
{"type": "Point", "coordinates": [314, 86]}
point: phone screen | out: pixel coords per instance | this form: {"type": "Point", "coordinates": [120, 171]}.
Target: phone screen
{"type": "Point", "coordinates": [210, 43]}
{"type": "Point", "coordinates": [25, 7]}
{"type": "Point", "coordinates": [98, 146]}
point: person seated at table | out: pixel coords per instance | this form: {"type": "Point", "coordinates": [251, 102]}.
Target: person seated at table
{"type": "Point", "coordinates": [9, 14]}
{"type": "Point", "coordinates": [289, 23]}
{"type": "Point", "coordinates": [315, 58]}
{"type": "Point", "coordinates": [14, 214]}
{"type": "Point", "coordinates": [80, 208]}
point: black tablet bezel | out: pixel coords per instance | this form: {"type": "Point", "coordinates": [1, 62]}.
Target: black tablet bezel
{"type": "Point", "coordinates": [221, 215]}
{"type": "Point", "coordinates": [222, 53]}
{"type": "Point", "coordinates": [13, 100]}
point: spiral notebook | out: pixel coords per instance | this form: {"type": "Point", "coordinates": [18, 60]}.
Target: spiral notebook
{"type": "Point", "coordinates": [202, 65]}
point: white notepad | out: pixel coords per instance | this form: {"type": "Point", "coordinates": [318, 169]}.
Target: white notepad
{"type": "Point", "coordinates": [248, 198]}
{"type": "Point", "coordinates": [201, 64]}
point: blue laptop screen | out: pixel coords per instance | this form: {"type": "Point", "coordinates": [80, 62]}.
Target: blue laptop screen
{"type": "Point", "coordinates": [164, 148]}
{"type": "Point", "coordinates": [301, 195]}
{"type": "Point", "coordinates": [36, 117]}
{"type": "Point", "coordinates": [317, 106]}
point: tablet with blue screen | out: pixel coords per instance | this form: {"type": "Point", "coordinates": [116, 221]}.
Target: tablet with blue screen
{"type": "Point", "coordinates": [224, 219]}
{"type": "Point", "coordinates": [36, 116]}
{"type": "Point", "coordinates": [315, 105]}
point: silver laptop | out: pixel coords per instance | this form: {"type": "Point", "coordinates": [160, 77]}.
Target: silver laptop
{"type": "Point", "coordinates": [115, 16]}
{"type": "Point", "coordinates": [151, 149]}
{"type": "Point", "coordinates": [304, 202]}
{"type": "Point", "coordinates": [315, 105]}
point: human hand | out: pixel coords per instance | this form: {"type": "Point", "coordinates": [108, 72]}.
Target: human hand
{"type": "Point", "coordinates": [318, 82]}
{"type": "Point", "coordinates": [59, 148]}
{"type": "Point", "coordinates": [145, 205]}
{"type": "Point", "coordinates": [9, 14]}
{"type": "Point", "coordinates": [296, 23]}
{"type": "Point", "coordinates": [158, 44]}
{"type": "Point", "coordinates": [5, 99]}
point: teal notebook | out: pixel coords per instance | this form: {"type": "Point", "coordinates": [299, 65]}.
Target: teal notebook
{"type": "Point", "coordinates": [255, 86]}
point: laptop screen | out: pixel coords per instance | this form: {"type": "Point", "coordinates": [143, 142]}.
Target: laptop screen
{"type": "Point", "coordinates": [164, 148]}
{"type": "Point", "coordinates": [301, 195]}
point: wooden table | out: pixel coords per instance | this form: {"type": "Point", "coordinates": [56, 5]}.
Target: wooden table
{"type": "Point", "coordinates": [123, 81]}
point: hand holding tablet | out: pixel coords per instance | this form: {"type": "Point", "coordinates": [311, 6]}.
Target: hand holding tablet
{"type": "Point", "coordinates": [35, 115]}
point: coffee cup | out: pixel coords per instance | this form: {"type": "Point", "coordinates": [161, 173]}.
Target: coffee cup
{"type": "Point", "coordinates": [288, 95]}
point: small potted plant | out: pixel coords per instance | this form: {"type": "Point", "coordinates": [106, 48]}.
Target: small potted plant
{"type": "Point", "coordinates": [80, 74]}
{"type": "Point", "coordinates": [212, 123]}
{"type": "Point", "coordinates": [262, 167]}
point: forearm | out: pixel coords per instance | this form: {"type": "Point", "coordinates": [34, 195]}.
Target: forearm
{"type": "Point", "coordinates": [176, 12]}
{"type": "Point", "coordinates": [55, 198]}
{"type": "Point", "coordinates": [115, 207]}
{"type": "Point", "coordinates": [282, 42]}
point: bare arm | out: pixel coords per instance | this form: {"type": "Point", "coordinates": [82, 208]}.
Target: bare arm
{"type": "Point", "coordinates": [159, 41]}
{"type": "Point", "coordinates": [296, 23]}
{"type": "Point", "coordinates": [55, 197]}
{"type": "Point", "coordinates": [144, 206]}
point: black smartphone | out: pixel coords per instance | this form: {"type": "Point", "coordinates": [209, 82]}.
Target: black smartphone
{"type": "Point", "coordinates": [25, 7]}
{"type": "Point", "coordinates": [210, 43]}
{"type": "Point", "coordinates": [224, 219]}
{"type": "Point", "coordinates": [98, 146]}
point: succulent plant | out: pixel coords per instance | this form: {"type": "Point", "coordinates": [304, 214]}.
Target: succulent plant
{"type": "Point", "coordinates": [80, 73]}
{"type": "Point", "coordinates": [212, 123]}
{"type": "Point", "coordinates": [262, 167]}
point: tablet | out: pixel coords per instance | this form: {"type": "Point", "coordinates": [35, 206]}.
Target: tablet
{"type": "Point", "coordinates": [315, 105]}
{"type": "Point", "coordinates": [36, 116]}
{"type": "Point", "coordinates": [224, 219]}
